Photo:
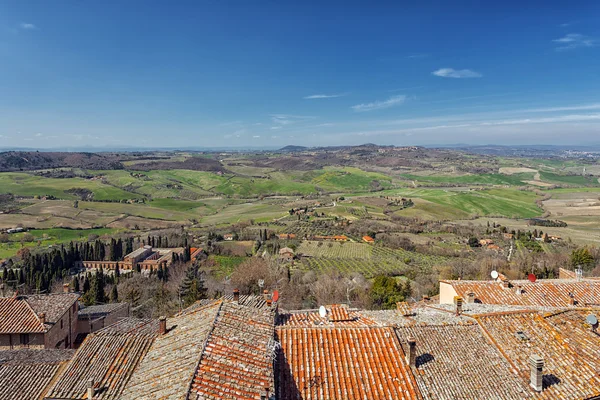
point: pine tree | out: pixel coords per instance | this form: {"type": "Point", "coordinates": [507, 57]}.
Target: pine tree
{"type": "Point", "coordinates": [97, 295]}
{"type": "Point", "coordinates": [86, 284]}
{"type": "Point", "coordinates": [114, 295]}
{"type": "Point", "coordinates": [192, 286]}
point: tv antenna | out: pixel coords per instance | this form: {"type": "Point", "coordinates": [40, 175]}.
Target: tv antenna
{"type": "Point", "coordinates": [494, 274]}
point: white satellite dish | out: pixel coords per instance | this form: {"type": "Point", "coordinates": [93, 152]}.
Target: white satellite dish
{"type": "Point", "coordinates": [591, 319]}
{"type": "Point", "coordinates": [322, 312]}
{"type": "Point", "coordinates": [494, 274]}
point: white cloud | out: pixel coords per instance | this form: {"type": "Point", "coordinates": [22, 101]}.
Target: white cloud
{"type": "Point", "coordinates": [583, 107]}
{"type": "Point", "coordinates": [38, 135]}
{"type": "Point", "coordinates": [456, 73]}
{"type": "Point", "coordinates": [573, 41]}
{"type": "Point", "coordinates": [288, 119]}
{"type": "Point", "coordinates": [378, 105]}
{"type": "Point", "coordinates": [275, 128]}
{"type": "Point", "coordinates": [256, 136]}
{"type": "Point", "coordinates": [324, 96]}
{"type": "Point", "coordinates": [27, 26]}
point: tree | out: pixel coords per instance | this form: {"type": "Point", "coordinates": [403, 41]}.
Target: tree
{"type": "Point", "coordinates": [473, 242]}
{"type": "Point", "coordinates": [114, 294]}
{"type": "Point", "coordinates": [192, 287]}
{"type": "Point", "coordinates": [96, 294]}
{"type": "Point", "coordinates": [582, 257]}
{"type": "Point", "coordinates": [386, 291]}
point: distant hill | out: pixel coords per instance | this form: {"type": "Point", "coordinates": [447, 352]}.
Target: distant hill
{"type": "Point", "coordinates": [291, 149]}
{"type": "Point", "coordinates": [31, 160]}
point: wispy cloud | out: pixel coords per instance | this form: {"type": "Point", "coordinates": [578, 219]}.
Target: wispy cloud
{"type": "Point", "coordinates": [256, 136]}
{"type": "Point", "coordinates": [574, 41]}
{"type": "Point", "coordinates": [27, 26]}
{"type": "Point", "coordinates": [413, 56]}
{"type": "Point", "coordinates": [583, 107]}
{"type": "Point", "coordinates": [378, 105]}
{"type": "Point", "coordinates": [456, 73]}
{"type": "Point", "coordinates": [324, 96]}
{"type": "Point", "coordinates": [288, 119]}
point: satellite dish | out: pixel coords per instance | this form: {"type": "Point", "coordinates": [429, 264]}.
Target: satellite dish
{"type": "Point", "coordinates": [531, 278]}
{"type": "Point", "coordinates": [322, 312]}
{"type": "Point", "coordinates": [591, 319]}
{"type": "Point", "coordinates": [275, 295]}
{"type": "Point", "coordinates": [494, 274]}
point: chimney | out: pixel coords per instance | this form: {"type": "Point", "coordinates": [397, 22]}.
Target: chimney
{"type": "Point", "coordinates": [519, 289]}
{"type": "Point", "coordinates": [411, 354]}
{"type": "Point", "coordinates": [458, 301]}
{"type": "Point", "coordinates": [266, 294]}
{"type": "Point", "coordinates": [470, 298]}
{"type": "Point", "coordinates": [506, 283]}
{"type": "Point", "coordinates": [66, 288]}
{"type": "Point", "coordinates": [90, 389]}
{"type": "Point", "coordinates": [269, 302]}
{"type": "Point", "coordinates": [537, 365]}
{"type": "Point", "coordinates": [236, 295]}
{"type": "Point", "coordinates": [42, 317]}
{"type": "Point", "coordinates": [162, 325]}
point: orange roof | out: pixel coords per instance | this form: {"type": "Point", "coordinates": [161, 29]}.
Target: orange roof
{"type": "Point", "coordinates": [544, 292]}
{"type": "Point", "coordinates": [16, 316]}
{"type": "Point", "coordinates": [567, 374]}
{"type": "Point", "coordinates": [312, 319]}
{"type": "Point", "coordinates": [368, 239]}
{"type": "Point", "coordinates": [343, 363]}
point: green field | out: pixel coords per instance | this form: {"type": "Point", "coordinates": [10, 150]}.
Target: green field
{"type": "Point", "coordinates": [49, 237]}
{"type": "Point", "coordinates": [474, 179]}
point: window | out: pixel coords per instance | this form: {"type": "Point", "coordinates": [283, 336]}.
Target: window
{"type": "Point", "coordinates": [24, 339]}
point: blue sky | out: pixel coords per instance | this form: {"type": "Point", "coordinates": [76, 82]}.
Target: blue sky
{"type": "Point", "coordinates": [272, 73]}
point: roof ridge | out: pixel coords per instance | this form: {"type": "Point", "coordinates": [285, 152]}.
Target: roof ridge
{"type": "Point", "coordinates": [489, 336]}
{"type": "Point", "coordinates": [34, 313]}
{"type": "Point", "coordinates": [208, 336]}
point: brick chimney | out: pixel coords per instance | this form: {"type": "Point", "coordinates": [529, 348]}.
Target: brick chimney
{"type": "Point", "coordinates": [470, 298]}
{"type": "Point", "coordinates": [458, 301]}
{"type": "Point", "coordinates": [90, 389]}
{"type": "Point", "coordinates": [411, 353]}
{"type": "Point", "coordinates": [42, 317]}
{"type": "Point", "coordinates": [537, 366]}
{"type": "Point", "coordinates": [236, 295]}
{"type": "Point", "coordinates": [269, 302]}
{"type": "Point", "coordinates": [266, 294]}
{"type": "Point", "coordinates": [66, 288]}
{"type": "Point", "coordinates": [162, 325]}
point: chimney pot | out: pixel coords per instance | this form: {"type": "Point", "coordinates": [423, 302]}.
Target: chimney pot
{"type": "Point", "coordinates": [42, 317]}
{"type": "Point", "coordinates": [162, 325]}
{"type": "Point", "coordinates": [90, 389]}
{"type": "Point", "coordinates": [411, 355]}
{"type": "Point", "coordinates": [236, 295]}
{"type": "Point", "coordinates": [470, 298]}
{"type": "Point", "coordinates": [537, 366]}
{"type": "Point", "coordinates": [269, 302]}
{"type": "Point", "coordinates": [266, 294]}
{"type": "Point", "coordinates": [458, 301]}
{"type": "Point", "coordinates": [66, 288]}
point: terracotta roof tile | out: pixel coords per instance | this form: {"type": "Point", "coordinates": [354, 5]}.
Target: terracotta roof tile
{"type": "Point", "coordinates": [336, 317]}
{"type": "Point", "coordinates": [167, 369]}
{"type": "Point", "coordinates": [458, 362]}
{"type": "Point", "coordinates": [237, 362]}
{"type": "Point", "coordinates": [567, 374]}
{"type": "Point", "coordinates": [549, 292]}
{"type": "Point", "coordinates": [108, 357]}
{"type": "Point", "coordinates": [343, 363]}
{"type": "Point", "coordinates": [25, 374]}
{"type": "Point", "coordinates": [16, 316]}
{"type": "Point", "coordinates": [53, 305]}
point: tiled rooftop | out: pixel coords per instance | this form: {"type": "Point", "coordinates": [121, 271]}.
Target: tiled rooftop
{"type": "Point", "coordinates": [25, 374]}
{"type": "Point", "coordinates": [566, 374]}
{"type": "Point", "coordinates": [16, 316]}
{"type": "Point", "coordinates": [100, 310]}
{"type": "Point", "coordinates": [458, 362]}
{"type": "Point", "coordinates": [237, 362]}
{"type": "Point", "coordinates": [167, 370]}
{"type": "Point", "coordinates": [53, 305]}
{"type": "Point", "coordinates": [108, 357]}
{"type": "Point", "coordinates": [311, 318]}
{"type": "Point", "coordinates": [422, 315]}
{"type": "Point", "coordinates": [343, 363]}
{"type": "Point", "coordinates": [549, 292]}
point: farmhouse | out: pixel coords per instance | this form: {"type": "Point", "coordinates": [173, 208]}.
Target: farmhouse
{"type": "Point", "coordinates": [286, 236]}
{"type": "Point", "coordinates": [145, 258]}
{"type": "Point", "coordinates": [286, 254]}
{"type": "Point", "coordinates": [336, 238]}
{"type": "Point", "coordinates": [228, 236]}
{"type": "Point", "coordinates": [368, 239]}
